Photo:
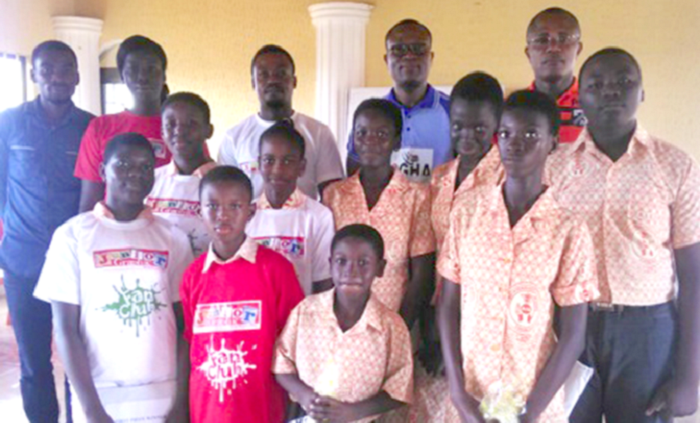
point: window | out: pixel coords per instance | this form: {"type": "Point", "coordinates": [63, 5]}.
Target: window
{"type": "Point", "coordinates": [13, 80]}
{"type": "Point", "coordinates": [115, 96]}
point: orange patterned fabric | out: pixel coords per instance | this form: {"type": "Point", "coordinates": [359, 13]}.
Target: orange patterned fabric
{"type": "Point", "coordinates": [510, 279]}
{"type": "Point", "coordinates": [373, 356]}
{"type": "Point", "coordinates": [639, 209]}
{"type": "Point", "coordinates": [402, 217]}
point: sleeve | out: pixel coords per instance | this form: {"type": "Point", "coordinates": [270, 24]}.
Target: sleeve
{"type": "Point", "coordinates": [87, 166]}
{"type": "Point", "coordinates": [188, 280]}
{"type": "Point", "coordinates": [422, 238]}
{"type": "Point", "coordinates": [576, 281]}
{"type": "Point", "coordinates": [398, 382]}
{"type": "Point", "coordinates": [226, 156]}
{"type": "Point", "coordinates": [60, 276]}
{"type": "Point", "coordinates": [685, 209]}
{"type": "Point", "coordinates": [328, 163]}
{"type": "Point", "coordinates": [289, 292]}
{"type": "Point", "coordinates": [324, 231]}
{"type": "Point", "coordinates": [284, 361]}
{"type": "Point", "coordinates": [448, 265]}
{"type": "Point", "coordinates": [180, 258]}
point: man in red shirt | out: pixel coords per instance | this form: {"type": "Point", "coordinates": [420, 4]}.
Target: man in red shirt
{"type": "Point", "coordinates": [236, 299]}
{"type": "Point", "coordinates": [141, 63]}
{"type": "Point", "coordinates": [553, 45]}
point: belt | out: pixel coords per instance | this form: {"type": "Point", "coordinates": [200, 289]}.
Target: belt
{"type": "Point", "coordinates": [619, 308]}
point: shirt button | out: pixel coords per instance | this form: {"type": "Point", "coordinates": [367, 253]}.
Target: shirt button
{"type": "Point", "coordinates": [495, 348]}
{"type": "Point", "coordinates": [408, 129]}
{"type": "Point", "coordinates": [506, 260]}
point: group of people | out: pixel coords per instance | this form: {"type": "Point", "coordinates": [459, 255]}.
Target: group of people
{"type": "Point", "coordinates": [480, 252]}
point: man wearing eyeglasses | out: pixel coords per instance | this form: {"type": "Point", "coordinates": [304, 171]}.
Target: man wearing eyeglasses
{"type": "Point", "coordinates": [425, 138]}
{"type": "Point", "coordinates": [553, 45]}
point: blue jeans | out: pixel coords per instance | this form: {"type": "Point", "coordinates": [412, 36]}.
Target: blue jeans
{"type": "Point", "coordinates": [632, 353]}
{"type": "Point", "coordinates": [31, 321]}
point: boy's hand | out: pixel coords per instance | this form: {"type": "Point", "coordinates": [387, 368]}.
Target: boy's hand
{"type": "Point", "coordinates": [306, 398]}
{"type": "Point", "coordinates": [467, 407]}
{"type": "Point", "coordinates": [327, 409]}
{"type": "Point", "coordinates": [674, 399]}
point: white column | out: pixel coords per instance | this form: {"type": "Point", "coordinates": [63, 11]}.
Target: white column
{"type": "Point", "coordinates": [83, 35]}
{"type": "Point", "coordinates": [340, 60]}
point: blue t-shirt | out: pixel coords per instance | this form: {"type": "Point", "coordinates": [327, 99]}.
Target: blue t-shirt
{"type": "Point", "coordinates": [38, 191]}
{"type": "Point", "coordinates": [425, 139]}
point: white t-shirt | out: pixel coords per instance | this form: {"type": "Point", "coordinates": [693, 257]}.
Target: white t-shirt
{"type": "Point", "coordinates": [176, 198]}
{"type": "Point", "coordinates": [241, 148]}
{"type": "Point", "coordinates": [125, 276]}
{"type": "Point", "coordinates": [302, 230]}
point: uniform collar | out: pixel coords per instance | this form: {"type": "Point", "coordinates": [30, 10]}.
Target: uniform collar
{"type": "Point", "coordinates": [427, 102]}
{"type": "Point", "coordinates": [102, 212]}
{"type": "Point", "coordinates": [247, 251]}
{"type": "Point", "coordinates": [171, 169]}
{"type": "Point", "coordinates": [487, 167]}
{"type": "Point", "coordinates": [295, 201]}
{"type": "Point", "coordinates": [371, 316]}
{"type": "Point", "coordinates": [639, 142]}
{"type": "Point", "coordinates": [539, 214]}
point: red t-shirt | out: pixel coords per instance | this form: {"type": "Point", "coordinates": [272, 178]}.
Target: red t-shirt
{"type": "Point", "coordinates": [102, 129]}
{"type": "Point", "coordinates": [233, 314]}
{"type": "Point", "coordinates": [571, 114]}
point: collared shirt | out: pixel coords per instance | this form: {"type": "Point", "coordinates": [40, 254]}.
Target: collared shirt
{"type": "Point", "coordinates": [372, 356]}
{"type": "Point", "coordinates": [638, 208]}
{"type": "Point", "coordinates": [38, 191]}
{"type": "Point", "coordinates": [176, 198]}
{"type": "Point", "coordinates": [572, 118]}
{"type": "Point", "coordinates": [302, 230]}
{"type": "Point", "coordinates": [402, 217]}
{"type": "Point", "coordinates": [510, 279]}
{"type": "Point", "coordinates": [425, 138]}
{"type": "Point", "coordinates": [247, 251]}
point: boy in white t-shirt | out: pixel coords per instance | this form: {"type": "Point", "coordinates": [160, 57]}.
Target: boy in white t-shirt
{"type": "Point", "coordinates": [175, 194]}
{"type": "Point", "coordinates": [112, 276]}
{"type": "Point", "coordinates": [286, 220]}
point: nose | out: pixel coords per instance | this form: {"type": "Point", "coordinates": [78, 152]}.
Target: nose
{"type": "Point", "coordinates": [553, 46]}
{"type": "Point", "coordinates": [611, 91]}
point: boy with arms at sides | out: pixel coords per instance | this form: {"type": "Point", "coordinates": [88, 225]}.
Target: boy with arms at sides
{"type": "Point", "coordinates": [382, 197]}
{"type": "Point", "coordinates": [112, 276]}
{"type": "Point", "coordinates": [287, 220]}
{"type": "Point", "coordinates": [506, 260]}
{"type": "Point", "coordinates": [236, 300]}
{"type": "Point", "coordinates": [141, 63]}
{"type": "Point", "coordinates": [343, 354]}
{"type": "Point", "coordinates": [175, 194]}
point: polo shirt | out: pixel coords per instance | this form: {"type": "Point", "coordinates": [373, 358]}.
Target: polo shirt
{"type": "Point", "coordinates": [425, 137]}
{"type": "Point", "coordinates": [570, 113]}
{"type": "Point", "coordinates": [38, 191]}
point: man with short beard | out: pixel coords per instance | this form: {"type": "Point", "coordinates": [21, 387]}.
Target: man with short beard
{"type": "Point", "coordinates": [425, 138]}
{"type": "Point", "coordinates": [273, 78]}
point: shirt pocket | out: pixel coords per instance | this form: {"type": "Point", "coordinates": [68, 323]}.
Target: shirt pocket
{"type": "Point", "coordinates": [24, 164]}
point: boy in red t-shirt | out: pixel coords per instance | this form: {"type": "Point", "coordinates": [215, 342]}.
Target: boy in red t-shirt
{"type": "Point", "coordinates": [141, 63]}
{"type": "Point", "coordinates": [236, 299]}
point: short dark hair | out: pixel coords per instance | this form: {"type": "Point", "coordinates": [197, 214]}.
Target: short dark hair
{"type": "Point", "coordinates": [552, 11]}
{"type": "Point", "coordinates": [139, 43]}
{"type": "Point", "coordinates": [192, 99]}
{"type": "Point", "coordinates": [407, 22]}
{"type": "Point", "coordinates": [285, 128]}
{"type": "Point", "coordinates": [130, 140]}
{"type": "Point", "coordinates": [53, 45]}
{"type": "Point", "coordinates": [230, 174]}
{"type": "Point", "coordinates": [609, 51]}
{"type": "Point", "coordinates": [363, 232]}
{"type": "Point", "coordinates": [390, 110]}
{"type": "Point", "coordinates": [479, 86]}
{"type": "Point", "coordinates": [537, 102]}
{"type": "Point", "coordinates": [272, 49]}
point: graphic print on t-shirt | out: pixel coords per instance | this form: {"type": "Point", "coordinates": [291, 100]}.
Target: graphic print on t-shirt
{"type": "Point", "coordinates": [130, 257]}
{"type": "Point", "coordinates": [135, 304]}
{"type": "Point", "coordinates": [227, 317]}
{"type": "Point", "coordinates": [224, 368]}
{"type": "Point", "coordinates": [415, 163]}
{"type": "Point", "coordinates": [289, 246]}
{"type": "Point", "coordinates": [173, 206]}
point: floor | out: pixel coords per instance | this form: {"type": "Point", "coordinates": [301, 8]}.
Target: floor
{"type": "Point", "coordinates": [10, 399]}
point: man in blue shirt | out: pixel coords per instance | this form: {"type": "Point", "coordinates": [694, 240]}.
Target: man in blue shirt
{"type": "Point", "coordinates": [425, 139]}
{"type": "Point", "coordinates": [39, 143]}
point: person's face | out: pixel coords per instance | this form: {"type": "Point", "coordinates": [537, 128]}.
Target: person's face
{"type": "Point", "coordinates": [280, 163]}
{"type": "Point", "coordinates": [354, 265]}
{"type": "Point", "coordinates": [409, 56]}
{"type": "Point", "coordinates": [274, 80]}
{"type": "Point", "coordinates": [56, 75]}
{"type": "Point", "coordinates": [611, 90]}
{"type": "Point", "coordinates": [553, 46]}
{"type": "Point", "coordinates": [375, 139]}
{"type": "Point", "coordinates": [226, 209]}
{"type": "Point", "coordinates": [185, 130]}
{"type": "Point", "coordinates": [144, 76]}
{"type": "Point", "coordinates": [128, 175]}
{"type": "Point", "coordinates": [524, 141]}
{"type": "Point", "coordinates": [472, 126]}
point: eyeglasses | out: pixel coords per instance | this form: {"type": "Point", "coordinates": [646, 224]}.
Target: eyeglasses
{"type": "Point", "coordinates": [545, 40]}
{"type": "Point", "coordinates": [400, 50]}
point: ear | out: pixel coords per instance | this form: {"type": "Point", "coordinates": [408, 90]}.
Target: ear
{"type": "Point", "coordinates": [103, 172]}
{"type": "Point", "coordinates": [381, 265]}
{"type": "Point", "coordinates": [555, 143]}
{"type": "Point", "coordinates": [302, 167]}
{"type": "Point", "coordinates": [209, 131]}
{"type": "Point", "coordinates": [252, 210]}
{"type": "Point", "coordinates": [580, 48]}
{"type": "Point", "coordinates": [432, 56]}
{"type": "Point", "coordinates": [643, 96]}
{"type": "Point", "coordinates": [397, 143]}
{"type": "Point", "coordinates": [252, 82]}
{"type": "Point", "coordinates": [386, 60]}
{"type": "Point", "coordinates": [295, 81]}
{"type": "Point", "coordinates": [527, 52]}
{"type": "Point", "coordinates": [32, 74]}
